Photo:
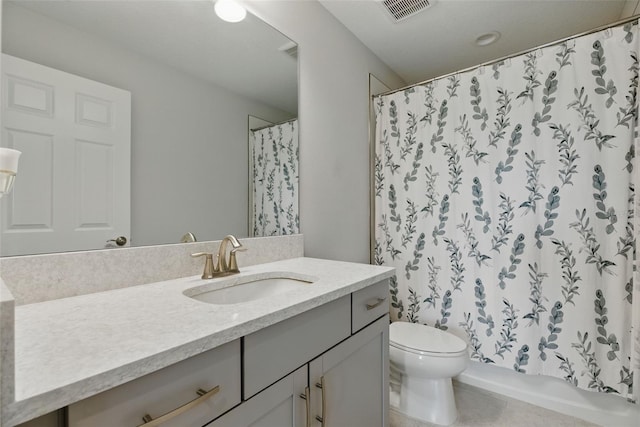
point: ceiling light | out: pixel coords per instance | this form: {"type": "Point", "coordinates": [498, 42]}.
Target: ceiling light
{"type": "Point", "coordinates": [487, 38]}
{"type": "Point", "coordinates": [230, 10]}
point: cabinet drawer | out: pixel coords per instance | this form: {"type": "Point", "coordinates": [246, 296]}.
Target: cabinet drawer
{"type": "Point", "coordinates": [368, 304]}
{"type": "Point", "coordinates": [52, 419]}
{"type": "Point", "coordinates": [167, 389]}
{"type": "Point", "coordinates": [273, 352]}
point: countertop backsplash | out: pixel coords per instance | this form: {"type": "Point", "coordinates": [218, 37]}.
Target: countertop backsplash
{"type": "Point", "coordinates": [37, 278]}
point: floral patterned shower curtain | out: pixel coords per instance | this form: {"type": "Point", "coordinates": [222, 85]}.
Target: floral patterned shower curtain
{"type": "Point", "coordinates": [505, 198]}
{"type": "Point", "coordinates": [274, 156]}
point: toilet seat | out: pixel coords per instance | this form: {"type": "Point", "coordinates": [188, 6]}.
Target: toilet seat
{"type": "Point", "coordinates": [425, 340]}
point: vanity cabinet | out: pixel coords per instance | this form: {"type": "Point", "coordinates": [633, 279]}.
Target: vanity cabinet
{"type": "Point", "coordinates": [345, 386]}
{"type": "Point", "coordinates": [327, 366]}
{"type": "Point", "coordinates": [344, 345]}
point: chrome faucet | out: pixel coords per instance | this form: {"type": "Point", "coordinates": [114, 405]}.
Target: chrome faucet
{"type": "Point", "coordinates": [221, 267]}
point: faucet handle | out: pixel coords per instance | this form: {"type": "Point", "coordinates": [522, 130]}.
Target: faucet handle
{"type": "Point", "coordinates": [209, 267]}
{"type": "Point", "coordinates": [233, 264]}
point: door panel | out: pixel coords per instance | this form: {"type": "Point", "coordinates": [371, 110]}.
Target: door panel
{"type": "Point", "coordinates": [72, 191]}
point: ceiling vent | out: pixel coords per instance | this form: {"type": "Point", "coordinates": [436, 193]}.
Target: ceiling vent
{"type": "Point", "coordinates": [403, 9]}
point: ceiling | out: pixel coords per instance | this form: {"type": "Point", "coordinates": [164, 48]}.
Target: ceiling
{"type": "Point", "coordinates": [187, 36]}
{"type": "Point", "coordinates": [441, 39]}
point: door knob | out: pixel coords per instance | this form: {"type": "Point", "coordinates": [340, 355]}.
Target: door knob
{"type": "Point", "coordinates": [120, 241]}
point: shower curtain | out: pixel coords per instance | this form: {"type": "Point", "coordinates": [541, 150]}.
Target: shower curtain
{"type": "Point", "coordinates": [274, 156]}
{"type": "Point", "coordinates": [505, 198]}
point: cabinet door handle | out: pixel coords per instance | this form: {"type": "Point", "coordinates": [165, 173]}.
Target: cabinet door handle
{"type": "Point", "coordinates": [371, 306]}
{"type": "Point", "coordinates": [322, 387]}
{"type": "Point", "coordinates": [307, 397]}
{"type": "Point", "coordinates": [203, 396]}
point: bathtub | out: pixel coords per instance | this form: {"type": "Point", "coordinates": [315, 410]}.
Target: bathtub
{"type": "Point", "coordinates": [554, 394]}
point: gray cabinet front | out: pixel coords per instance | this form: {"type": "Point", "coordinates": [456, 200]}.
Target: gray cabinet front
{"type": "Point", "coordinates": [280, 405]}
{"type": "Point", "coordinates": [325, 367]}
{"type": "Point", "coordinates": [350, 381]}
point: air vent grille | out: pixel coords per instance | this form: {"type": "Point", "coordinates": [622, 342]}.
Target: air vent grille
{"type": "Point", "coordinates": [402, 9]}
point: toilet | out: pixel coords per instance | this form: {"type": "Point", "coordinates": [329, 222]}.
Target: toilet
{"type": "Point", "coordinates": [423, 360]}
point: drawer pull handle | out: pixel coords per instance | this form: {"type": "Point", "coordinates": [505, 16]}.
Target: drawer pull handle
{"type": "Point", "coordinates": [322, 387]}
{"type": "Point", "coordinates": [307, 397]}
{"type": "Point", "coordinates": [203, 395]}
{"type": "Point", "coordinates": [371, 306]}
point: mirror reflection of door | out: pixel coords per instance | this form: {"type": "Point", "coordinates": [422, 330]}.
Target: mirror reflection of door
{"type": "Point", "coordinates": [83, 198]}
{"type": "Point", "coordinates": [273, 178]}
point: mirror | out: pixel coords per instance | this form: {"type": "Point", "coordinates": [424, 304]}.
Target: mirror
{"type": "Point", "coordinates": [192, 81]}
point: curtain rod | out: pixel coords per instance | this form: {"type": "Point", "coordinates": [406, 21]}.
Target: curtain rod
{"type": "Point", "coordinates": [275, 124]}
{"type": "Point", "coordinates": [523, 52]}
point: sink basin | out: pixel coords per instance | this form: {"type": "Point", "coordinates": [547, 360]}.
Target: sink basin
{"type": "Point", "coordinates": [249, 290]}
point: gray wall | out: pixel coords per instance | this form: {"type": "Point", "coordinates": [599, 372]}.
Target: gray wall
{"type": "Point", "coordinates": [189, 138]}
{"type": "Point", "coordinates": [333, 118]}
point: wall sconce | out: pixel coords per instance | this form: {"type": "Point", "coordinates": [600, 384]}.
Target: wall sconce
{"type": "Point", "coordinates": [8, 169]}
{"type": "Point", "coordinates": [230, 10]}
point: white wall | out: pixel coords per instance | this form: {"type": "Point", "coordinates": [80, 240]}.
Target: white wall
{"type": "Point", "coordinates": [189, 138]}
{"type": "Point", "coordinates": [333, 119]}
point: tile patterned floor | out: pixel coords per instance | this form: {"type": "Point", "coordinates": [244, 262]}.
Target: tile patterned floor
{"type": "Point", "coordinates": [479, 408]}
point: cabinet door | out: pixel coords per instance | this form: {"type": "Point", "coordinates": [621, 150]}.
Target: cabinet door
{"type": "Point", "coordinates": [279, 405]}
{"type": "Point", "coordinates": [349, 383]}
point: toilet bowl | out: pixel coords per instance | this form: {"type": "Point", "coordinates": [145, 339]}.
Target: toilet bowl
{"type": "Point", "coordinates": [423, 360]}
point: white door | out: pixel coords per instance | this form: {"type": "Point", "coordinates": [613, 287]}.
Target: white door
{"type": "Point", "coordinates": [72, 191]}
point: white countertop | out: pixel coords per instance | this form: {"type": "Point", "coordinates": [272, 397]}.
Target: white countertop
{"type": "Point", "coordinates": [72, 348]}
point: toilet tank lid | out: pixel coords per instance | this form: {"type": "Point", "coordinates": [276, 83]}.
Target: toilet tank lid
{"type": "Point", "coordinates": [424, 338]}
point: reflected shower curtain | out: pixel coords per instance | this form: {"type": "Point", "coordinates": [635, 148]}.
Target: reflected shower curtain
{"type": "Point", "coordinates": [274, 157]}
{"type": "Point", "coordinates": [505, 198]}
